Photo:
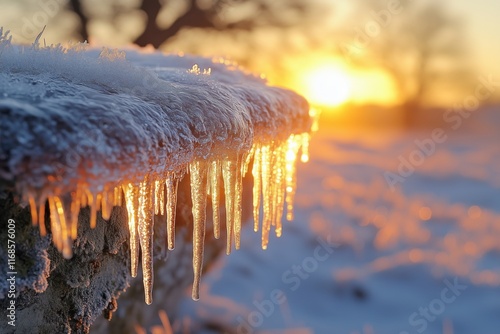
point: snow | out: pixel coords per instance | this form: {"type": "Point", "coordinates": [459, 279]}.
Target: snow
{"type": "Point", "coordinates": [147, 112]}
{"type": "Point", "coordinates": [79, 126]}
{"type": "Point", "coordinates": [424, 258]}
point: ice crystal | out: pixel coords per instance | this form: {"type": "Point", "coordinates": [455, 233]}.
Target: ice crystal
{"type": "Point", "coordinates": [104, 128]}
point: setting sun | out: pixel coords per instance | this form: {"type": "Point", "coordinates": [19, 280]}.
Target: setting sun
{"type": "Point", "coordinates": [327, 85]}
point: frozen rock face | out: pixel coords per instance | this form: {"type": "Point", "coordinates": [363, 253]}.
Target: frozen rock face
{"type": "Point", "coordinates": [95, 286]}
{"type": "Point", "coordinates": [94, 145]}
{"type": "Point", "coordinates": [58, 295]}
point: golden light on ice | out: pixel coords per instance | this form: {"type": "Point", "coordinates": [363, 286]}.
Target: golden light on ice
{"type": "Point", "coordinates": [274, 190]}
{"type": "Point", "coordinates": [327, 85]}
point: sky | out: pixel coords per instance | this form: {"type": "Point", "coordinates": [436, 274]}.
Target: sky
{"type": "Point", "coordinates": [483, 27]}
{"type": "Point", "coordinates": [480, 19]}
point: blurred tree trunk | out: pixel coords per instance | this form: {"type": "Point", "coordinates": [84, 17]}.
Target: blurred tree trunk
{"type": "Point", "coordinates": [154, 35]}
{"type": "Point", "coordinates": [413, 103]}
{"type": "Point", "coordinates": [412, 49]}
{"type": "Point", "coordinates": [77, 8]}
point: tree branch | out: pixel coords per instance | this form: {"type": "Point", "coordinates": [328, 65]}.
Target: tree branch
{"type": "Point", "coordinates": [193, 17]}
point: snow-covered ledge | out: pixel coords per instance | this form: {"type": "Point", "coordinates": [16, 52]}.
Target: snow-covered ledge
{"type": "Point", "coordinates": [93, 145]}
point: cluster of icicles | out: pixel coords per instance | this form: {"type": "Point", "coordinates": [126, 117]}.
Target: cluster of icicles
{"type": "Point", "coordinates": [274, 187]}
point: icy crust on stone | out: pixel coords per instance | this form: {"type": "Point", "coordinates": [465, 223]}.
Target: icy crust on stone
{"type": "Point", "coordinates": [69, 115]}
{"type": "Point", "coordinates": [81, 128]}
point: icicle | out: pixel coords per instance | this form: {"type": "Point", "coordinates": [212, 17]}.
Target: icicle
{"type": "Point", "coordinates": [159, 197]}
{"type": "Point", "coordinates": [198, 170]}
{"type": "Point", "coordinates": [266, 166]}
{"type": "Point", "coordinates": [84, 199]}
{"type": "Point", "coordinates": [145, 230]}
{"type": "Point", "coordinates": [279, 189]}
{"type": "Point", "coordinates": [41, 215]}
{"type": "Point", "coordinates": [92, 202]}
{"type": "Point", "coordinates": [107, 204]}
{"type": "Point", "coordinates": [293, 146]}
{"type": "Point", "coordinates": [118, 196]}
{"type": "Point", "coordinates": [257, 187]}
{"type": "Point", "coordinates": [156, 185]}
{"type": "Point", "coordinates": [172, 183]}
{"type": "Point", "coordinates": [229, 175]}
{"type": "Point", "coordinates": [315, 115]}
{"type": "Point", "coordinates": [305, 147]}
{"type": "Point", "coordinates": [240, 163]}
{"type": "Point", "coordinates": [65, 240]}
{"type": "Point", "coordinates": [75, 210]}
{"type": "Point", "coordinates": [215, 171]}
{"type": "Point", "coordinates": [274, 157]}
{"type": "Point", "coordinates": [248, 159]}
{"type": "Point", "coordinates": [55, 224]}
{"type": "Point", "coordinates": [33, 209]}
{"type": "Point", "coordinates": [162, 197]}
{"type": "Point", "coordinates": [98, 199]}
{"type": "Point", "coordinates": [132, 204]}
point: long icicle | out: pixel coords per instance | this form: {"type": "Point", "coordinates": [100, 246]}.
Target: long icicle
{"type": "Point", "coordinates": [280, 188]}
{"type": "Point", "coordinates": [118, 196]}
{"type": "Point", "coordinates": [172, 183]}
{"type": "Point", "coordinates": [238, 199]}
{"type": "Point", "coordinates": [65, 240]}
{"type": "Point", "coordinates": [33, 209]}
{"type": "Point", "coordinates": [75, 209]}
{"type": "Point", "coordinates": [215, 170]}
{"type": "Point", "coordinates": [293, 147]}
{"type": "Point", "coordinates": [274, 184]}
{"type": "Point", "coordinates": [229, 176]}
{"type": "Point", "coordinates": [145, 229]}
{"type": "Point", "coordinates": [305, 147]}
{"type": "Point", "coordinates": [257, 187]}
{"type": "Point", "coordinates": [198, 177]}
{"type": "Point", "coordinates": [92, 202]}
{"type": "Point", "coordinates": [55, 224]}
{"type": "Point", "coordinates": [159, 188]}
{"type": "Point", "coordinates": [132, 203]}
{"type": "Point", "coordinates": [107, 204]}
{"type": "Point", "coordinates": [161, 194]}
{"type": "Point", "coordinates": [41, 214]}
{"type": "Point", "coordinates": [266, 166]}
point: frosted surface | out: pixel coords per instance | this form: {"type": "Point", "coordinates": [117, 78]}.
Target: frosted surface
{"type": "Point", "coordinates": [84, 127]}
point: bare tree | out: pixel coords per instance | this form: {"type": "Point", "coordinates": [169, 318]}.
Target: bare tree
{"type": "Point", "coordinates": [153, 34]}
{"type": "Point", "coordinates": [214, 14]}
{"type": "Point", "coordinates": [420, 46]}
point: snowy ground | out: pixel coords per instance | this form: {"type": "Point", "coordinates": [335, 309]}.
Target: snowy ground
{"type": "Point", "coordinates": [423, 258]}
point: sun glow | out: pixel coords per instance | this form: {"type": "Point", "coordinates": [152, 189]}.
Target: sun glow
{"type": "Point", "coordinates": [327, 85]}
